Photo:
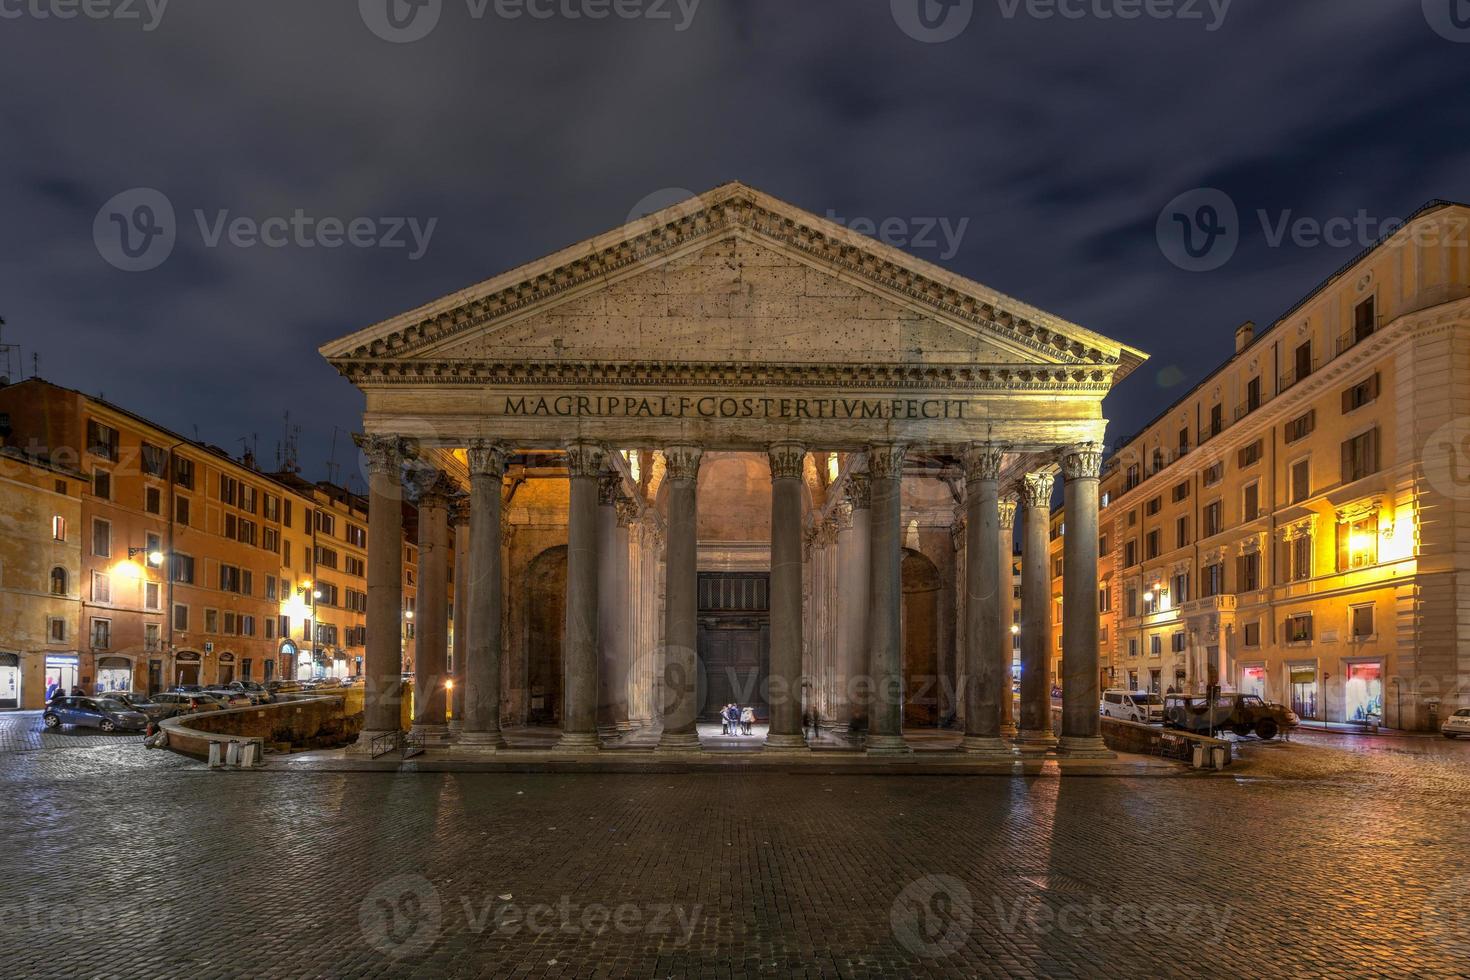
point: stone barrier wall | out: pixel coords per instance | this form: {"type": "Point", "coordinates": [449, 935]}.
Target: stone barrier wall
{"type": "Point", "coordinates": [300, 722]}
{"type": "Point", "coordinates": [1129, 736]}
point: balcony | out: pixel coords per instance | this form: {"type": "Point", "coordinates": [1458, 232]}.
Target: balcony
{"type": "Point", "coordinates": [1297, 373]}
{"type": "Point", "coordinates": [1353, 338]}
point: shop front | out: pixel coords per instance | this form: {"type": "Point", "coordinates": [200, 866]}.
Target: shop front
{"type": "Point", "coordinates": [63, 673]}
{"type": "Point", "coordinates": [114, 674]}
{"type": "Point", "coordinates": [1253, 680]}
{"type": "Point", "coordinates": [226, 668]}
{"type": "Point", "coordinates": [1305, 690]}
{"type": "Point", "coordinates": [9, 681]}
{"type": "Point", "coordinates": [186, 667]}
{"type": "Point", "coordinates": [1363, 692]}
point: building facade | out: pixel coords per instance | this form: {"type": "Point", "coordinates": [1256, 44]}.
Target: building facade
{"type": "Point", "coordinates": [718, 453]}
{"type": "Point", "coordinates": [1295, 525]}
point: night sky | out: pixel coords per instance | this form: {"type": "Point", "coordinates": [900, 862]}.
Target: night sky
{"type": "Point", "coordinates": [1041, 150]}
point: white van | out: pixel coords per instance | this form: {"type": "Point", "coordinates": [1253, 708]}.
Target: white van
{"type": "Point", "coordinates": [1139, 706]}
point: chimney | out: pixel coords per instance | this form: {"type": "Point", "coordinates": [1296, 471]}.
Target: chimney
{"type": "Point", "coordinates": [1244, 334]}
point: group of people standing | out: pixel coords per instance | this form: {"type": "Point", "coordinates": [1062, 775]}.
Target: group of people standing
{"type": "Point", "coordinates": [735, 720]}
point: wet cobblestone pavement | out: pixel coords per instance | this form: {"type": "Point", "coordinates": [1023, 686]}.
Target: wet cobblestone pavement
{"type": "Point", "coordinates": [1324, 857]}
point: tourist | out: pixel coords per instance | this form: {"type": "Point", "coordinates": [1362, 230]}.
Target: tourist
{"type": "Point", "coordinates": [747, 718]}
{"type": "Point", "coordinates": [732, 718]}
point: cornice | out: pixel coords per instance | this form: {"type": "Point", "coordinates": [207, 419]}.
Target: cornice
{"type": "Point", "coordinates": [739, 212]}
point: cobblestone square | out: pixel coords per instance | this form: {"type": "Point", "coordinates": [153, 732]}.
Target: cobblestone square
{"type": "Point", "coordinates": [1324, 857]}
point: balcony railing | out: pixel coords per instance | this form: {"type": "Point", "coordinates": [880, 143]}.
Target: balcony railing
{"type": "Point", "coordinates": [1297, 373]}
{"type": "Point", "coordinates": [1353, 338]}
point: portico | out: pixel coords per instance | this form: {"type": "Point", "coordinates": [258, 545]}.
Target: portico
{"type": "Point", "coordinates": [734, 414]}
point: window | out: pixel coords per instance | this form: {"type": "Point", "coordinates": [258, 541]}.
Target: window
{"type": "Point", "coordinates": [184, 472]}
{"type": "Point", "coordinates": [1253, 634]}
{"type": "Point", "coordinates": [1181, 491]}
{"type": "Point", "coordinates": [1250, 506]}
{"type": "Point", "coordinates": [1362, 622]}
{"type": "Point", "coordinates": [272, 511]}
{"type": "Point", "coordinates": [1130, 600]}
{"type": "Point", "coordinates": [328, 593]}
{"type": "Point", "coordinates": [58, 528]}
{"type": "Point", "coordinates": [1176, 642]}
{"type": "Point", "coordinates": [356, 536]}
{"type": "Point", "coordinates": [325, 523]}
{"type": "Point", "coordinates": [1212, 518]}
{"type": "Point", "coordinates": [1183, 441]}
{"type": "Point", "coordinates": [1360, 394]}
{"type": "Point", "coordinates": [1158, 460]}
{"type": "Point", "coordinates": [283, 630]}
{"type": "Point", "coordinates": [1299, 628]}
{"type": "Point", "coordinates": [1104, 599]}
{"type": "Point", "coordinates": [286, 553]}
{"type": "Point", "coordinates": [270, 628]}
{"type": "Point", "coordinates": [1155, 645]}
{"type": "Point", "coordinates": [246, 533]}
{"type": "Point", "coordinates": [211, 620]}
{"type": "Point", "coordinates": [1214, 474]}
{"type": "Point", "coordinates": [1301, 480]}
{"type": "Point", "coordinates": [101, 538]}
{"type": "Point", "coordinates": [1253, 394]}
{"type": "Point", "coordinates": [101, 484]}
{"type": "Point", "coordinates": [181, 568]}
{"type": "Point", "coordinates": [1214, 579]}
{"type": "Point", "coordinates": [1152, 507]}
{"type": "Point", "coordinates": [1301, 426]}
{"type": "Point", "coordinates": [355, 566]}
{"type": "Point", "coordinates": [247, 582]}
{"type": "Point", "coordinates": [270, 586]}
{"type": "Point", "coordinates": [230, 624]}
{"type": "Point", "coordinates": [1252, 453]}
{"type": "Point", "coordinates": [1133, 653]}
{"type": "Point", "coordinates": [1357, 543]}
{"type": "Point", "coordinates": [1181, 532]}
{"type": "Point", "coordinates": [56, 629]}
{"type": "Point", "coordinates": [1132, 479]}
{"type": "Point", "coordinates": [1130, 554]}
{"type": "Point", "coordinates": [152, 500]}
{"type": "Point", "coordinates": [231, 526]}
{"type": "Point", "coordinates": [286, 512]}
{"type": "Point", "coordinates": [1217, 419]}
{"type": "Point", "coordinates": [1180, 588]}
{"type": "Point", "coordinates": [1303, 363]}
{"type": "Point", "coordinates": [181, 617]}
{"type": "Point", "coordinates": [1248, 572]}
{"type": "Point", "coordinates": [181, 511]}
{"type": "Point", "coordinates": [326, 557]}
{"type": "Point", "coordinates": [151, 596]}
{"type": "Point", "coordinates": [227, 489]}
{"type": "Point", "coordinates": [247, 625]}
{"type": "Point", "coordinates": [1151, 544]}
{"type": "Point", "coordinates": [1360, 456]}
{"type": "Point", "coordinates": [1132, 518]}
{"type": "Point", "coordinates": [152, 545]}
{"type": "Point", "coordinates": [229, 578]}
{"type": "Point", "coordinates": [1365, 319]}
{"type": "Point", "coordinates": [248, 497]}
{"type": "Point", "coordinates": [153, 460]}
{"type": "Point", "coordinates": [152, 637]}
{"type": "Point", "coordinates": [101, 440]}
{"type": "Point", "coordinates": [1056, 568]}
{"type": "Point", "coordinates": [58, 581]}
{"type": "Point", "coordinates": [411, 555]}
{"type": "Point", "coordinates": [1299, 557]}
{"type": "Point", "coordinates": [101, 634]}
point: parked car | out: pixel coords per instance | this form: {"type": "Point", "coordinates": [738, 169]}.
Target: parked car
{"type": "Point", "coordinates": [140, 702]}
{"type": "Point", "coordinates": [282, 687]}
{"type": "Point", "coordinates": [1241, 713]}
{"type": "Point", "coordinates": [187, 688]}
{"type": "Point", "coordinates": [186, 704]}
{"type": "Point", "coordinates": [1139, 706]}
{"type": "Point", "coordinates": [231, 698]}
{"type": "Point", "coordinates": [103, 713]}
{"type": "Point", "coordinates": [1457, 724]}
{"type": "Point", "coordinates": [256, 692]}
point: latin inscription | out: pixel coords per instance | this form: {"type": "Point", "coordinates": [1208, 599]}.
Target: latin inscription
{"type": "Point", "coordinates": [716, 407]}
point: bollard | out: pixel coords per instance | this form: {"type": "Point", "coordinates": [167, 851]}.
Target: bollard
{"type": "Point", "coordinates": [1199, 756]}
{"type": "Point", "coordinates": [247, 755]}
{"type": "Point", "coordinates": [214, 755]}
{"type": "Point", "coordinates": [1217, 757]}
{"type": "Point", "coordinates": [232, 754]}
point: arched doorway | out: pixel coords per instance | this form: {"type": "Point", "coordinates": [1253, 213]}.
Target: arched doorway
{"type": "Point", "coordinates": [545, 627]}
{"type": "Point", "coordinates": [921, 585]}
{"type": "Point", "coordinates": [226, 668]}
{"type": "Point", "coordinates": [186, 667]}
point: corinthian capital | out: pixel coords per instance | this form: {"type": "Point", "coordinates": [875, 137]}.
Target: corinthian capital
{"type": "Point", "coordinates": [609, 488]}
{"type": "Point", "coordinates": [1035, 489]}
{"type": "Point", "coordinates": [1007, 511]}
{"type": "Point", "coordinates": [787, 459]}
{"type": "Point", "coordinates": [384, 454]}
{"type": "Point", "coordinates": [627, 510]}
{"type": "Point", "coordinates": [682, 462]}
{"type": "Point", "coordinates": [1082, 461]}
{"type": "Point", "coordinates": [459, 511]}
{"type": "Point", "coordinates": [982, 462]}
{"type": "Point", "coordinates": [486, 458]}
{"type": "Point", "coordinates": [860, 491]}
{"type": "Point", "coordinates": [585, 458]}
{"type": "Point", "coordinates": [438, 489]}
{"type": "Point", "coordinates": [886, 462]}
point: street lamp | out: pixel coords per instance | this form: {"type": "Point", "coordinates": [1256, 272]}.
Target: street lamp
{"type": "Point", "coordinates": [154, 556]}
{"type": "Point", "coordinates": [304, 586]}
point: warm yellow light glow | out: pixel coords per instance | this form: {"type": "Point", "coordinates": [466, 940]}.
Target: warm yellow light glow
{"type": "Point", "coordinates": [408, 615]}
{"type": "Point", "coordinates": [1015, 629]}
{"type": "Point", "coordinates": [155, 558]}
{"type": "Point", "coordinates": [449, 683]}
{"type": "Point", "coordinates": [634, 463]}
{"type": "Point", "coordinates": [833, 468]}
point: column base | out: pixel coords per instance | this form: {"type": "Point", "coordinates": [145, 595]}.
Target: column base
{"type": "Point", "coordinates": [624, 727]}
{"type": "Point", "coordinates": [678, 742]}
{"type": "Point", "coordinates": [364, 744]}
{"type": "Point", "coordinates": [986, 745]}
{"type": "Point", "coordinates": [578, 742]}
{"type": "Point", "coordinates": [482, 741]}
{"type": "Point", "coordinates": [1085, 747]}
{"type": "Point", "coordinates": [430, 736]}
{"type": "Point", "coordinates": [886, 745]}
{"type": "Point", "coordinates": [456, 725]}
{"type": "Point", "coordinates": [785, 743]}
{"type": "Point", "coordinates": [1035, 742]}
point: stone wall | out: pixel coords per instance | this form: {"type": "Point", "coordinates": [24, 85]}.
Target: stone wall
{"type": "Point", "coordinates": [308, 723]}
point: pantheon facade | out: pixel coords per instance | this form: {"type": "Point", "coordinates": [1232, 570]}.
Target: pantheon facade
{"type": "Point", "coordinates": [733, 451]}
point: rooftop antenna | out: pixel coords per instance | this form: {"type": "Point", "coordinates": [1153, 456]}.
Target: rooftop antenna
{"type": "Point", "coordinates": [11, 353]}
{"type": "Point", "coordinates": [289, 463]}
{"type": "Point", "coordinates": [332, 460]}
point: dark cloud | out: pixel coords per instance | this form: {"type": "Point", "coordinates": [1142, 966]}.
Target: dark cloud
{"type": "Point", "coordinates": [1060, 141]}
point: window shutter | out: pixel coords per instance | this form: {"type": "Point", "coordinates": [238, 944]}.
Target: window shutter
{"type": "Point", "coordinates": [1347, 461]}
{"type": "Point", "coordinates": [1344, 553]}
{"type": "Point", "coordinates": [1373, 386]}
{"type": "Point", "coordinates": [1371, 453]}
{"type": "Point", "coordinates": [1347, 401]}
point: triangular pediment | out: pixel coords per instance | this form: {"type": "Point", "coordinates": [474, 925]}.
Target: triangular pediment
{"type": "Point", "coordinates": [733, 276]}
